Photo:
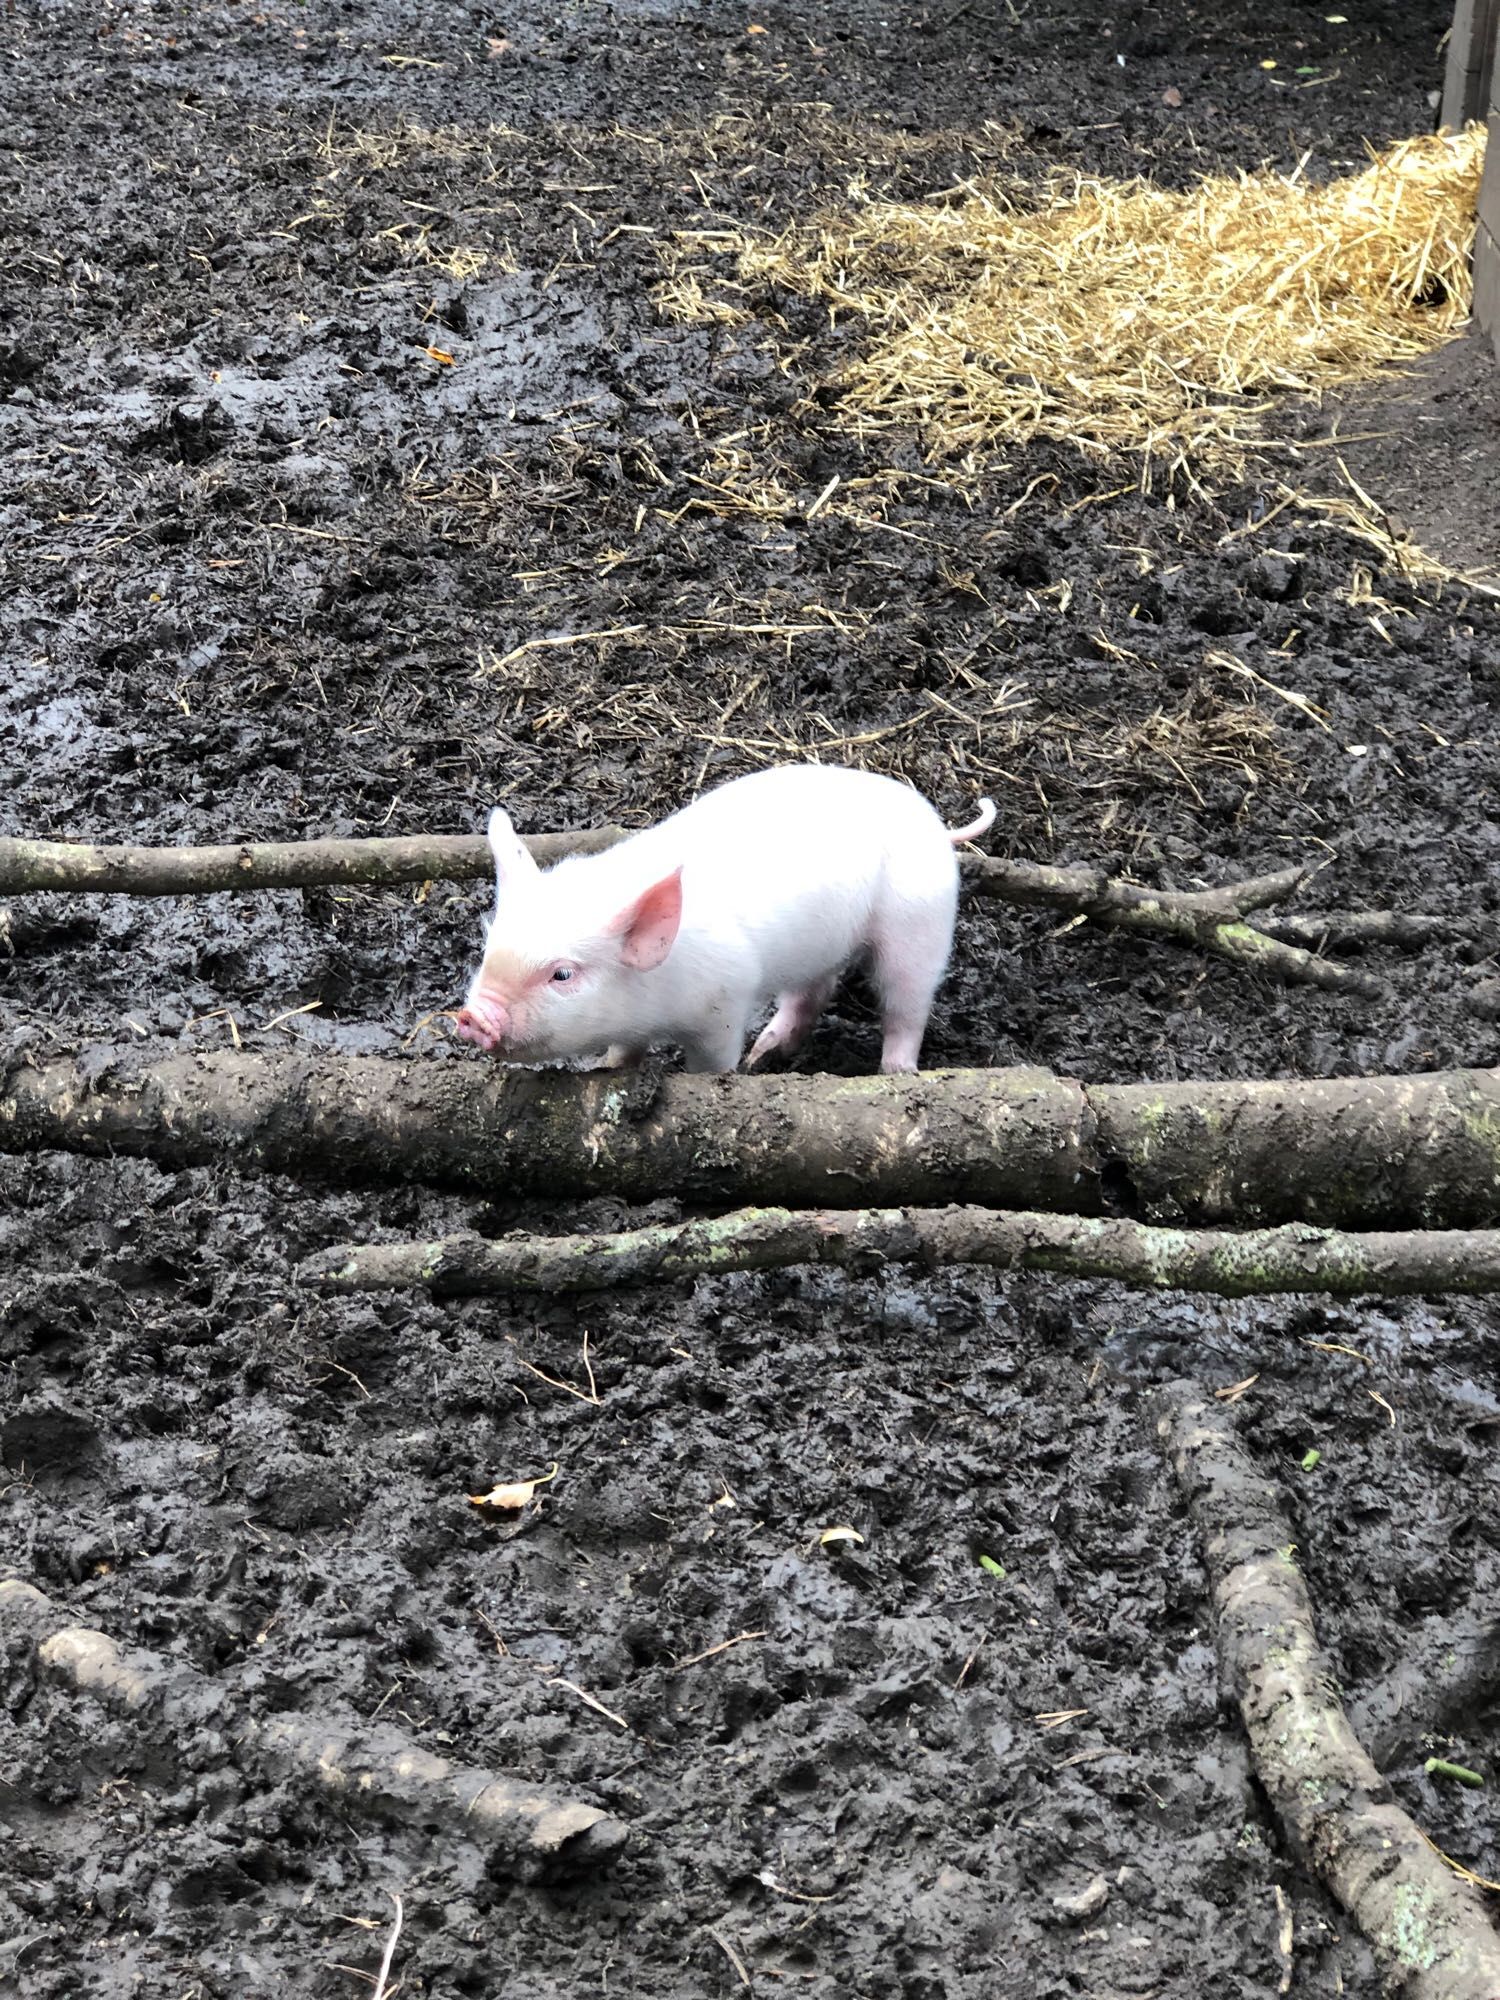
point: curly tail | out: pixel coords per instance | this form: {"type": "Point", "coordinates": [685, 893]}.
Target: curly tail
{"type": "Point", "coordinates": [981, 825]}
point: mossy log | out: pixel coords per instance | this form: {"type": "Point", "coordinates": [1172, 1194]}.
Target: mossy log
{"type": "Point", "coordinates": [1427, 1928]}
{"type": "Point", "coordinates": [1396, 1152]}
{"type": "Point", "coordinates": [1294, 1258]}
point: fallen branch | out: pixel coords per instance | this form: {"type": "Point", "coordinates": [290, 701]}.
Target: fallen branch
{"type": "Point", "coordinates": [1427, 1928]}
{"type": "Point", "coordinates": [1391, 1152]}
{"type": "Point", "coordinates": [369, 1767]}
{"type": "Point", "coordinates": [28, 867]}
{"type": "Point", "coordinates": [1352, 930]}
{"type": "Point", "coordinates": [1294, 1258]}
{"type": "Point", "coordinates": [1211, 920]}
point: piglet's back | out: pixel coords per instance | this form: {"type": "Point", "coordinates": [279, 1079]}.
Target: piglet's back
{"type": "Point", "coordinates": [796, 846]}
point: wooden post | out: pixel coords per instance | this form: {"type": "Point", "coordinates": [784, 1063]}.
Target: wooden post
{"type": "Point", "coordinates": [1471, 61]}
{"type": "Point", "coordinates": [1487, 233]}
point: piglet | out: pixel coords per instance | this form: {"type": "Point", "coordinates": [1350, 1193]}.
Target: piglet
{"type": "Point", "coordinates": [766, 887]}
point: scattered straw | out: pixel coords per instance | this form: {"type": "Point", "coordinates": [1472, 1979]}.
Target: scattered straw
{"type": "Point", "coordinates": [1121, 317]}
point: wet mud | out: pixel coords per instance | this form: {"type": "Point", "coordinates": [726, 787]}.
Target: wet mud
{"type": "Point", "coordinates": [352, 481]}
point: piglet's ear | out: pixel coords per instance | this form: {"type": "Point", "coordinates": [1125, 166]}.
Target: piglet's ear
{"type": "Point", "coordinates": [513, 862]}
{"type": "Point", "coordinates": [647, 928]}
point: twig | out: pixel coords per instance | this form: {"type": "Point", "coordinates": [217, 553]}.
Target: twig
{"type": "Point", "coordinates": [1293, 1258]}
{"type": "Point", "coordinates": [731, 1954]}
{"type": "Point", "coordinates": [724, 1645]}
{"type": "Point", "coordinates": [1426, 1927]}
{"type": "Point", "coordinates": [1352, 929]}
{"type": "Point", "coordinates": [592, 1701]}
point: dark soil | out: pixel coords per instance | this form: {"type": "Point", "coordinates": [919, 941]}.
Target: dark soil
{"type": "Point", "coordinates": [262, 538]}
{"type": "Point", "coordinates": [1427, 441]}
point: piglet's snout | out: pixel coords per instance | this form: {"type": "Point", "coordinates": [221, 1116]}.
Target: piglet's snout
{"type": "Point", "coordinates": [484, 1022]}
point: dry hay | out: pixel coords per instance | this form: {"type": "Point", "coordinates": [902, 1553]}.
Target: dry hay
{"type": "Point", "coordinates": [1120, 317]}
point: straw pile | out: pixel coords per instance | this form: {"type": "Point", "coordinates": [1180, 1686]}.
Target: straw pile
{"type": "Point", "coordinates": [1123, 318]}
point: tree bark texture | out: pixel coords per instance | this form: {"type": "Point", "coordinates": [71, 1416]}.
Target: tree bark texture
{"type": "Point", "coordinates": [1398, 1152]}
{"type": "Point", "coordinates": [1294, 1258]}
{"type": "Point", "coordinates": [1428, 1929]}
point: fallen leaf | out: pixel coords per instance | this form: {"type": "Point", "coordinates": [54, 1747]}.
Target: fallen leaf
{"type": "Point", "coordinates": [511, 1499]}
{"type": "Point", "coordinates": [1235, 1390]}
{"type": "Point", "coordinates": [439, 354]}
{"type": "Point", "coordinates": [835, 1535]}
{"type": "Point", "coordinates": [1337, 20]}
{"type": "Point", "coordinates": [756, 29]}
{"type": "Point", "coordinates": [1171, 96]}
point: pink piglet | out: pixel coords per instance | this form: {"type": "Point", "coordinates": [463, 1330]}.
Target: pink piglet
{"type": "Point", "coordinates": [765, 888]}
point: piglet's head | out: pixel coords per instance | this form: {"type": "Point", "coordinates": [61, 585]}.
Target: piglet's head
{"type": "Point", "coordinates": [556, 979]}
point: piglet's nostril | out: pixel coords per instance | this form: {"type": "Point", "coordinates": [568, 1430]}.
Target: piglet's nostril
{"type": "Point", "coordinates": [484, 1021]}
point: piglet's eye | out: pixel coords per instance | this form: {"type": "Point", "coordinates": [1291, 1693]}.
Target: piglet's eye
{"type": "Point", "coordinates": [562, 973]}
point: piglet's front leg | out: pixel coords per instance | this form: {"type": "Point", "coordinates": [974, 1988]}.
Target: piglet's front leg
{"type": "Point", "coordinates": [620, 1055]}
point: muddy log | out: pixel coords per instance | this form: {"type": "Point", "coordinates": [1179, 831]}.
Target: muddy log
{"type": "Point", "coordinates": [1428, 1929]}
{"type": "Point", "coordinates": [1212, 920]}
{"type": "Point", "coordinates": [371, 1768]}
{"type": "Point", "coordinates": [1395, 1152]}
{"type": "Point", "coordinates": [1295, 1258]}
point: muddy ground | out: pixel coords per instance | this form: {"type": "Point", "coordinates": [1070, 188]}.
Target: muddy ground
{"type": "Point", "coordinates": [271, 563]}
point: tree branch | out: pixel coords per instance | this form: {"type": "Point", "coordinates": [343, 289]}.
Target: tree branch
{"type": "Point", "coordinates": [363, 1766]}
{"type": "Point", "coordinates": [1426, 1927]}
{"type": "Point", "coordinates": [1211, 920]}
{"type": "Point", "coordinates": [1293, 1258]}
{"type": "Point", "coordinates": [29, 866]}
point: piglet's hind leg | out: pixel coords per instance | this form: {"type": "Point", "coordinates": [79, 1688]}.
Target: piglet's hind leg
{"type": "Point", "coordinates": [909, 960]}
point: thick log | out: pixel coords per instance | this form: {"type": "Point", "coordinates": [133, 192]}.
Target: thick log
{"type": "Point", "coordinates": [368, 1767]}
{"type": "Point", "coordinates": [1428, 1929]}
{"type": "Point", "coordinates": [1393, 1152]}
{"type": "Point", "coordinates": [1294, 1258]}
